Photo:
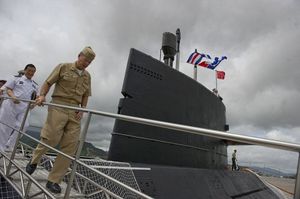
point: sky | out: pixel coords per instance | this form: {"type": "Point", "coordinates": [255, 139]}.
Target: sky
{"type": "Point", "coordinates": [261, 89]}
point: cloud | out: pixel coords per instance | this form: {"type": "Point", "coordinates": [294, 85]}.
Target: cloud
{"type": "Point", "coordinates": [268, 84]}
{"type": "Point", "coordinates": [261, 87]}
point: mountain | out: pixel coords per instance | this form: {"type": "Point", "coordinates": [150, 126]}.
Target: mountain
{"type": "Point", "coordinates": [89, 150]}
{"type": "Point", "coordinates": [270, 172]}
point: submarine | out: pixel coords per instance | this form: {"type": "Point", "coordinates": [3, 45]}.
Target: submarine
{"type": "Point", "coordinates": [182, 165]}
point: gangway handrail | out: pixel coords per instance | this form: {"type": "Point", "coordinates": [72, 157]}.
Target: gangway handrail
{"type": "Point", "coordinates": [200, 131]}
{"type": "Point", "coordinates": [82, 164]}
{"type": "Point", "coordinates": [288, 146]}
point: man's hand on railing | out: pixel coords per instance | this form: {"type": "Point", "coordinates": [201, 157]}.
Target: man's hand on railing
{"type": "Point", "coordinates": [15, 100]}
{"type": "Point", "coordinates": [78, 115]}
{"type": "Point", "coordinates": [32, 106]}
{"type": "Point", "coordinates": [11, 94]}
{"type": "Point", "coordinates": [39, 101]}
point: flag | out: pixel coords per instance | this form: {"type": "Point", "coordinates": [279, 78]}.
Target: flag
{"type": "Point", "coordinates": [195, 58]}
{"type": "Point", "coordinates": [212, 65]}
{"type": "Point", "coordinates": [204, 64]}
{"type": "Point", "coordinates": [220, 74]}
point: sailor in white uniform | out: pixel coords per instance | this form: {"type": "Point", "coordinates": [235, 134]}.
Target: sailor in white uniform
{"type": "Point", "coordinates": [12, 110]}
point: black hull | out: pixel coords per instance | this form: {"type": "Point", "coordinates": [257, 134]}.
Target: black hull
{"type": "Point", "coordinates": [155, 91]}
{"type": "Point", "coordinates": [163, 182]}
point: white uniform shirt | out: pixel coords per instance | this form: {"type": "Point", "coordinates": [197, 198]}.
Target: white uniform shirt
{"type": "Point", "coordinates": [22, 87]}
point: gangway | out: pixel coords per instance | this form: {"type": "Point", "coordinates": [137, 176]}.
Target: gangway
{"type": "Point", "coordinates": [34, 186]}
{"type": "Point", "coordinates": [86, 178]}
{"type": "Point", "coordinates": [29, 186]}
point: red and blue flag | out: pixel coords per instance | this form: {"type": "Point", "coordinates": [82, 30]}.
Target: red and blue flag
{"type": "Point", "coordinates": [195, 58]}
{"type": "Point", "coordinates": [214, 64]}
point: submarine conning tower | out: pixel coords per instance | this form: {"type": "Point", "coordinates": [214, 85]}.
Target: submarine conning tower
{"type": "Point", "coordinates": [154, 90]}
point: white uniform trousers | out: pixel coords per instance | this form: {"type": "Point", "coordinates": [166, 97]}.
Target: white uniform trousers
{"type": "Point", "coordinates": [12, 115]}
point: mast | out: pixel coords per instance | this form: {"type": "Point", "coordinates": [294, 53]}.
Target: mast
{"type": "Point", "coordinates": [195, 69]}
{"type": "Point", "coordinates": [178, 38]}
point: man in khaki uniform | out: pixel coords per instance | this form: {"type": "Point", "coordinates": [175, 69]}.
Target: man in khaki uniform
{"type": "Point", "coordinates": [72, 87]}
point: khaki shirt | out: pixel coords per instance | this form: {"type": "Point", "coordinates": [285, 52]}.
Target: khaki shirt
{"type": "Point", "coordinates": [70, 86]}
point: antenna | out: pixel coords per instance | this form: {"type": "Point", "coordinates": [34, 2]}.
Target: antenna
{"type": "Point", "coordinates": [178, 38]}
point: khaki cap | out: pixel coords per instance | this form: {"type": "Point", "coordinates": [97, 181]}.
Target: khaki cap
{"type": "Point", "coordinates": [88, 53]}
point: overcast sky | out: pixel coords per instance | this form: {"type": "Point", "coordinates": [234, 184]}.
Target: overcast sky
{"type": "Point", "coordinates": [261, 89]}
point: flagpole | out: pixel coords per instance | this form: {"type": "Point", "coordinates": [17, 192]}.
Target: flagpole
{"type": "Point", "coordinates": [195, 69]}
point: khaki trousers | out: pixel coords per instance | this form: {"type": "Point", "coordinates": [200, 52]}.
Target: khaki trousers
{"type": "Point", "coordinates": [61, 128]}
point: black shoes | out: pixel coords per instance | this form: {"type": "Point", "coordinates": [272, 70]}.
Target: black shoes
{"type": "Point", "coordinates": [30, 168]}
{"type": "Point", "coordinates": [53, 187]}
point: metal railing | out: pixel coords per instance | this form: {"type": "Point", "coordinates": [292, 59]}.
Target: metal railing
{"type": "Point", "coordinates": [75, 159]}
{"type": "Point", "coordinates": [193, 130]}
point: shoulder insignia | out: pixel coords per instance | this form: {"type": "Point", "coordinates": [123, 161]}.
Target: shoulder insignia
{"type": "Point", "coordinates": [35, 82]}
{"type": "Point", "coordinates": [19, 75]}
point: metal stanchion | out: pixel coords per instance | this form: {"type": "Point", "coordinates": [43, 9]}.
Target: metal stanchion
{"type": "Point", "coordinates": [297, 184]}
{"type": "Point", "coordinates": [80, 146]}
